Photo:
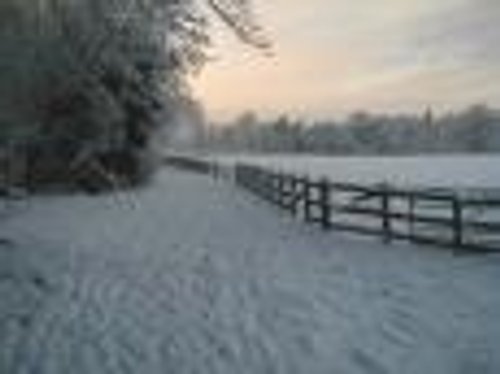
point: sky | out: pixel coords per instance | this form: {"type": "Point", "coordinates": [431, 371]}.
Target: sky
{"type": "Point", "coordinates": [333, 57]}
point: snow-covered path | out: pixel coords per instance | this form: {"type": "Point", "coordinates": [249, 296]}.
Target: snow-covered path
{"type": "Point", "coordinates": [197, 277]}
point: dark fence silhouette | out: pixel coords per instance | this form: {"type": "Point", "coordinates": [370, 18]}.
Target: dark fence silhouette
{"type": "Point", "coordinates": [197, 165]}
{"type": "Point", "coordinates": [430, 216]}
{"type": "Point", "coordinates": [435, 216]}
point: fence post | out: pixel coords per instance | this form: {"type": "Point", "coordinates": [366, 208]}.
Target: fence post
{"type": "Point", "coordinates": [307, 199]}
{"type": "Point", "coordinates": [256, 183]}
{"type": "Point", "coordinates": [280, 189]}
{"type": "Point", "coordinates": [411, 219]}
{"type": "Point", "coordinates": [286, 192]}
{"type": "Point", "coordinates": [237, 175]}
{"type": "Point", "coordinates": [271, 187]}
{"type": "Point", "coordinates": [386, 214]}
{"type": "Point", "coordinates": [324, 198]}
{"type": "Point", "coordinates": [275, 187]}
{"type": "Point", "coordinates": [294, 195]}
{"type": "Point", "coordinates": [265, 185]}
{"type": "Point", "coordinates": [457, 221]}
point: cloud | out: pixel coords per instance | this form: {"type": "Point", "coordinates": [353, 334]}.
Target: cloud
{"type": "Point", "coordinates": [334, 56]}
{"type": "Point", "coordinates": [469, 32]}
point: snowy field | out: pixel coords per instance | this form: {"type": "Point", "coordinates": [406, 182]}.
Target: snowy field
{"type": "Point", "coordinates": [194, 276]}
{"type": "Point", "coordinates": [455, 171]}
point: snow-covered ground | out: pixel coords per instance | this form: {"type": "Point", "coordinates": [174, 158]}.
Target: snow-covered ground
{"type": "Point", "coordinates": [193, 276]}
{"type": "Point", "coordinates": [456, 171]}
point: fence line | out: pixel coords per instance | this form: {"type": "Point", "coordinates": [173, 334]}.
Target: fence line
{"type": "Point", "coordinates": [439, 217]}
{"type": "Point", "coordinates": [194, 164]}
{"type": "Point", "coordinates": [435, 217]}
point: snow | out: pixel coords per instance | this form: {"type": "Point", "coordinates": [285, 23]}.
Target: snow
{"type": "Point", "coordinates": [192, 275]}
{"type": "Point", "coordinates": [455, 171]}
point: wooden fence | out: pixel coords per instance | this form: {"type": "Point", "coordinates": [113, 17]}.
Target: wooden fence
{"type": "Point", "coordinates": [194, 164]}
{"type": "Point", "coordinates": [430, 216]}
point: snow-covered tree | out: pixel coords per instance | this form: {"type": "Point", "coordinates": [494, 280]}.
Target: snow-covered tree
{"type": "Point", "coordinates": [86, 77]}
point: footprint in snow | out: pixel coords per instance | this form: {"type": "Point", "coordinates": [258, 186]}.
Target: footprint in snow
{"type": "Point", "coordinates": [369, 363]}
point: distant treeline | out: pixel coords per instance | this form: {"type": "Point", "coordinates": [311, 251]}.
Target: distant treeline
{"type": "Point", "coordinates": [476, 129]}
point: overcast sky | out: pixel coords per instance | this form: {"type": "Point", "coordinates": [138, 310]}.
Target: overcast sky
{"type": "Point", "coordinates": [336, 56]}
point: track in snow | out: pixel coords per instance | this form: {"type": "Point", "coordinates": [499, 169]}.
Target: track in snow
{"type": "Point", "coordinates": [194, 276]}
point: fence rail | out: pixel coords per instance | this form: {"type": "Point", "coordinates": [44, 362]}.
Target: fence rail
{"type": "Point", "coordinates": [194, 164]}
{"type": "Point", "coordinates": [440, 217]}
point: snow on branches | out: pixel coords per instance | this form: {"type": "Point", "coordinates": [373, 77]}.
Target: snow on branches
{"type": "Point", "coordinates": [101, 76]}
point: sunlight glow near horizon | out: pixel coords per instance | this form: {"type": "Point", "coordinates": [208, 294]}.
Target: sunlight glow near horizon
{"type": "Point", "coordinates": [332, 57]}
